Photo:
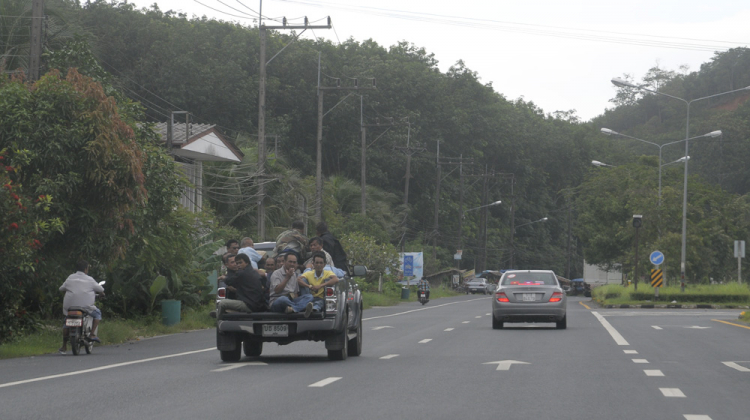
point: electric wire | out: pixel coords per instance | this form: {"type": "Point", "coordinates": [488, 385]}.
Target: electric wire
{"type": "Point", "coordinates": [532, 29]}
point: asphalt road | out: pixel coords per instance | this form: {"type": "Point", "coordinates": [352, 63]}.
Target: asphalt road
{"type": "Point", "coordinates": [439, 361]}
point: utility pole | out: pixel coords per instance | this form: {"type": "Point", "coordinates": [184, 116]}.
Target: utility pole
{"type": "Point", "coordinates": [440, 163]}
{"type": "Point", "coordinates": [319, 155]}
{"type": "Point", "coordinates": [35, 56]}
{"type": "Point", "coordinates": [408, 151]}
{"type": "Point", "coordinates": [262, 109]}
{"type": "Point", "coordinates": [364, 152]}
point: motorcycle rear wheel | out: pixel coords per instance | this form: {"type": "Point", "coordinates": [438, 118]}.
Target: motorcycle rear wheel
{"type": "Point", "coordinates": [75, 343]}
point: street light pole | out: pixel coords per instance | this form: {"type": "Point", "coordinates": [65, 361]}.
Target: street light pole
{"type": "Point", "coordinates": [609, 132]}
{"type": "Point", "coordinates": [624, 83]}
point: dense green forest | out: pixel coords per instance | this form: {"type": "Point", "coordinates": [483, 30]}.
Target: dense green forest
{"type": "Point", "coordinates": [538, 163]}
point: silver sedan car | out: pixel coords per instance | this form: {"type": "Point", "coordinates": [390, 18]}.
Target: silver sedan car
{"type": "Point", "coordinates": [529, 296]}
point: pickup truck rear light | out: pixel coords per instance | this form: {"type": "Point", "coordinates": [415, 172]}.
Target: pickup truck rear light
{"type": "Point", "coordinates": [556, 297]}
{"type": "Point", "coordinates": [502, 297]}
{"type": "Point", "coordinates": [222, 293]}
{"type": "Point", "coordinates": [329, 291]}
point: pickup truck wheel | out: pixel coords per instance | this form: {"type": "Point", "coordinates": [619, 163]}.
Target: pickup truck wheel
{"type": "Point", "coordinates": [253, 348]}
{"type": "Point", "coordinates": [341, 354]}
{"type": "Point", "coordinates": [355, 344]}
{"type": "Point", "coordinates": [232, 355]}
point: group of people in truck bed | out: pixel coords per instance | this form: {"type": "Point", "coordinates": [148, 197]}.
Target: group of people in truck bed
{"type": "Point", "coordinates": [284, 283]}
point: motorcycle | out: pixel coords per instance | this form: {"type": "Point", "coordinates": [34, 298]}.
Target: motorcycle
{"type": "Point", "coordinates": [79, 323]}
{"type": "Point", "coordinates": [423, 297]}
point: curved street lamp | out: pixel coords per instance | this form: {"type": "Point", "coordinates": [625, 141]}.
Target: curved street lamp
{"type": "Point", "coordinates": [624, 83]}
{"type": "Point", "coordinates": [609, 132]}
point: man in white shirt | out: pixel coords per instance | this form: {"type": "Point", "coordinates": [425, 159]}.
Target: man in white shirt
{"type": "Point", "coordinates": [81, 290]}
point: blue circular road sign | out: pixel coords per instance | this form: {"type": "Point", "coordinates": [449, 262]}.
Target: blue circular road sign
{"type": "Point", "coordinates": [656, 258]}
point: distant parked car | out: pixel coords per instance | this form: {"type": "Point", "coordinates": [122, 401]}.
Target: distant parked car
{"type": "Point", "coordinates": [478, 285]}
{"type": "Point", "coordinates": [529, 296]}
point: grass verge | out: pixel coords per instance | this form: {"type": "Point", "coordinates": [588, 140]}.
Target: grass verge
{"type": "Point", "coordinates": [111, 331]}
{"type": "Point", "coordinates": [726, 295]}
{"type": "Point", "coordinates": [393, 297]}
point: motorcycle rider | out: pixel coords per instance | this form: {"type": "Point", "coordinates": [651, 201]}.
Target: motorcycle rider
{"type": "Point", "coordinates": [424, 286]}
{"type": "Point", "coordinates": [81, 290]}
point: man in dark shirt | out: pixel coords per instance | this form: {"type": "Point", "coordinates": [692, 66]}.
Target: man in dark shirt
{"type": "Point", "coordinates": [332, 246]}
{"type": "Point", "coordinates": [247, 282]}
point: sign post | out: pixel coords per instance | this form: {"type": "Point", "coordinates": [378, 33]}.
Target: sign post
{"type": "Point", "coordinates": [657, 278]}
{"type": "Point", "coordinates": [739, 253]}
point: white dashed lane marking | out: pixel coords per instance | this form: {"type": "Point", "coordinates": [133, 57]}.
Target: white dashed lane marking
{"type": "Point", "coordinates": [239, 365]}
{"type": "Point", "coordinates": [656, 327]}
{"type": "Point", "coordinates": [655, 372]}
{"type": "Point", "coordinates": [488, 314]}
{"type": "Point", "coordinates": [672, 392]}
{"type": "Point", "coordinates": [640, 361]}
{"type": "Point", "coordinates": [448, 329]}
{"type": "Point", "coordinates": [426, 340]}
{"type": "Point", "coordinates": [466, 322]}
{"type": "Point", "coordinates": [324, 382]}
{"type": "Point", "coordinates": [390, 356]}
{"type": "Point", "coordinates": [696, 417]}
{"type": "Point", "coordinates": [630, 351]}
{"type": "Point", "coordinates": [478, 316]}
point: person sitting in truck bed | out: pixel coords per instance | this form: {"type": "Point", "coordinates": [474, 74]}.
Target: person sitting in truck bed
{"type": "Point", "coordinates": [318, 279]}
{"type": "Point", "coordinates": [284, 289]}
{"type": "Point", "coordinates": [250, 296]}
{"type": "Point", "coordinates": [316, 244]}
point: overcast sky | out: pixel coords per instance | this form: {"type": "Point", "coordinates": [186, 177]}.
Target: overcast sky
{"type": "Point", "coordinates": [560, 55]}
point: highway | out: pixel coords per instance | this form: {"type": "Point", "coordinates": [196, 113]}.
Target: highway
{"type": "Point", "coordinates": [439, 361]}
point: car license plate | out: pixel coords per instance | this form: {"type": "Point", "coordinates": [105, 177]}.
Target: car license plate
{"type": "Point", "coordinates": [275, 330]}
{"type": "Point", "coordinates": [529, 297]}
{"type": "Point", "coordinates": [73, 322]}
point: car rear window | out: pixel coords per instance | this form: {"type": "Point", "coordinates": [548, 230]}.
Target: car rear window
{"type": "Point", "coordinates": [529, 279]}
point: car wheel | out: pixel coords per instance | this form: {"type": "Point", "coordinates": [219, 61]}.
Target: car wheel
{"type": "Point", "coordinates": [253, 348]}
{"type": "Point", "coordinates": [496, 324]}
{"type": "Point", "coordinates": [563, 323]}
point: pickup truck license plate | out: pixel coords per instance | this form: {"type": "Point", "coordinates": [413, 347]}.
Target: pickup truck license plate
{"type": "Point", "coordinates": [275, 330]}
{"type": "Point", "coordinates": [73, 322]}
{"type": "Point", "coordinates": [529, 297]}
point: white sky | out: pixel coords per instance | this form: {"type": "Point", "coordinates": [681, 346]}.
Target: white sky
{"type": "Point", "coordinates": [529, 48]}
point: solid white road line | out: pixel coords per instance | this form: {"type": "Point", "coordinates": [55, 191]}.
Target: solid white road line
{"type": "Point", "coordinates": [81, 372]}
{"type": "Point", "coordinates": [426, 340]}
{"type": "Point", "coordinates": [672, 392]}
{"type": "Point", "coordinates": [643, 361]}
{"type": "Point", "coordinates": [448, 329]}
{"type": "Point", "coordinates": [655, 372]}
{"type": "Point", "coordinates": [381, 327]}
{"type": "Point", "coordinates": [239, 365]}
{"type": "Point", "coordinates": [390, 356]}
{"type": "Point", "coordinates": [630, 351]}
{"type": "Point", "coordinates": [735, 365]}
{"type": "Point", "coordinates": [696, 417]}
{"type": "Point", "coordinates": [611, 330]}
{"type": "Point", "coordinates": [420, 309]}
{"type": "Point", "coordinates": [324, 382]}
{"type": "Point", "coordinates": [466, 322]}
{"type": "Point", "coordinates": [656, 327]}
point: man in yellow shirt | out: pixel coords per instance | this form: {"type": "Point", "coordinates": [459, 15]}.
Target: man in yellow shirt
{"type": "Point", "coordinates": [318, 279]}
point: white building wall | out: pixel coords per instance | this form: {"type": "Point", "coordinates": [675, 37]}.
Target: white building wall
{"type": "Point", "coordinates": [596, 276]}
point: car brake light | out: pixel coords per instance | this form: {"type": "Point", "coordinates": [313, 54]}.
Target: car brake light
{"type": "Point", "coordinates": [222, 292]}
{"type": "Point", "coordinates": [502, 297]}
{"type": "Point", "coordinates": [556, 297]}
{"type": "Point", "coordinates": [329, 291]}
